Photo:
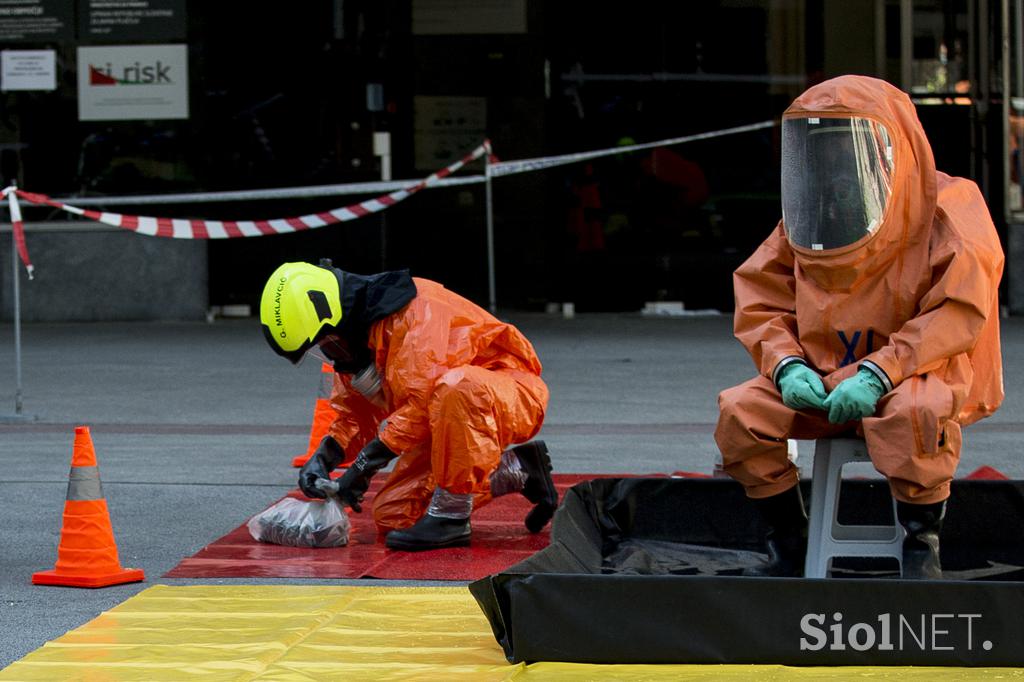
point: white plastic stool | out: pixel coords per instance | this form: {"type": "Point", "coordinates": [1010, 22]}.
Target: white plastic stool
{"type": "Point", "coordinates": [827, 538]}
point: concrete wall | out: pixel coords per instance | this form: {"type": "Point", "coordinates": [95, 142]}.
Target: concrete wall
{"type": "Point", "coordinates": [105, 274]}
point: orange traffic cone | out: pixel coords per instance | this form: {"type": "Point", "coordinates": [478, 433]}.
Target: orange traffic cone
{"type": "Point", "coordinates": [87, 554]}
{"type": "Point", "coordinates": [323, 414]}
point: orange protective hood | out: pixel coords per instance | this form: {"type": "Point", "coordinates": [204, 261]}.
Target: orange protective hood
{"type": "Point", "coordinates": [911, 207]}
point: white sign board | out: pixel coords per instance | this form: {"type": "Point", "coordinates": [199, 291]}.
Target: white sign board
{"type": "Point", "coordinates": [28, 70]}
{"type": "Point", "coordinates": [132, 82]}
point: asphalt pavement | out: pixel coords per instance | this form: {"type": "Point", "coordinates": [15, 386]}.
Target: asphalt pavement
{"type": "Point", "coordinates": [195, 426]}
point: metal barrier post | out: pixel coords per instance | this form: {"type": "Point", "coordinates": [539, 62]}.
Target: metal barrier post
{"type": "Point", "coordinates": [16, 291]}
{"type": "Point", "coordinates": [492, 296]}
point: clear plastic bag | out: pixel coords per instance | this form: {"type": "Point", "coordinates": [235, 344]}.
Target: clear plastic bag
{"type": "Point", "coordinates": [300, 523]}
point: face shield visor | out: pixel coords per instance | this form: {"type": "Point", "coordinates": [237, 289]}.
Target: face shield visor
{"type": "Point", "coordinates": [836, 180]}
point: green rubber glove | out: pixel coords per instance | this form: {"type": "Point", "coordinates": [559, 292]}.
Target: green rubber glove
{"type": "Point", "coordinates": [854, 398]}
{"type": "Point", "coordinates": [801, 387]}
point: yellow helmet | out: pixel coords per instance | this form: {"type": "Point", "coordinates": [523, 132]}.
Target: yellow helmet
{"type": "Point", "coordinates": [301, 304]}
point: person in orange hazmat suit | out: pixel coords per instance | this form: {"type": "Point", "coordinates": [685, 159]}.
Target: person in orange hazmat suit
{"type": "Point", "coordinates": [426, 378]}
{"type": "Point", "coordinates": [872, 307]}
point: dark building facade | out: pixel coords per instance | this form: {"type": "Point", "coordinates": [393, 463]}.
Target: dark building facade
{"type": "Point", "coordinates": [279, 95]}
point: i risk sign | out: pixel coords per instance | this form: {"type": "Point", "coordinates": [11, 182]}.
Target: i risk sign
{"type": "Point", "coordinates": [132, 82]}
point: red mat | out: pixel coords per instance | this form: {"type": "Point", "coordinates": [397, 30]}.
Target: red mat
{"type": "Point", "coordinates": [499, 540]}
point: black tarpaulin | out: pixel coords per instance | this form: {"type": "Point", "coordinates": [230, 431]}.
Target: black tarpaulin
{"type": "Point", "coordinates": [645, 571]}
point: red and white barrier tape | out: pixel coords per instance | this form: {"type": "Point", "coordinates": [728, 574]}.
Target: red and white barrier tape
{"type": "Point", "coordinates": [18, 227]}
{"type": "Point", "coordinates": [524, 165]}
{"type": "Point", "coordinates": [183, 228]}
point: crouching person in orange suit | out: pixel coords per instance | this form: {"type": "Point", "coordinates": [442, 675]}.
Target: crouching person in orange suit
{"type": "Point", "coordinates": [424, 378]}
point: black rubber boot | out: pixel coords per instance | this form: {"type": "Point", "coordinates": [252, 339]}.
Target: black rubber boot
{"type": "Point", "coordinates": [430, 532]}
{"type": "Point", "coordinates": [539, 487]}
{"type": "Point", "coordinates": [786, 538]}
{"type": "Point", "coordinates": [923, 523]}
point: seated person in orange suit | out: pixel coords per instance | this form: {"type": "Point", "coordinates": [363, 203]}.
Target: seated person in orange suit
{"type": "Point", "coordinates": [872, 307]}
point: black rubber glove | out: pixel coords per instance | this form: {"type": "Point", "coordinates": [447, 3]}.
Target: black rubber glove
{"type": "Point", "coordinates": [328, 455]}
{"type": "Point", "coordinates": [353, 484]}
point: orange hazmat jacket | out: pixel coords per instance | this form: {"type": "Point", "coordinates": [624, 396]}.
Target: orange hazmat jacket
{"type": "Point", "coordinates": [438, 341]}
{"type": "Point", "coordinates": [925, 283]}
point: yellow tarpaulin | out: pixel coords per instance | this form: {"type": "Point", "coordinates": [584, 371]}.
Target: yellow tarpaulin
{"type": "Point", "coordinates": [289, 632]}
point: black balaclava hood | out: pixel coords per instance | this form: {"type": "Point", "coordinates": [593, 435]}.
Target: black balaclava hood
{"type": "Point", "coordinates": [364, 300]}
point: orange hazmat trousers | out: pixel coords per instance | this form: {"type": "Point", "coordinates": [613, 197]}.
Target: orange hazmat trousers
{"type": "Point", "coordinates": [459, 387]}
{"type": "Point", "coordinates": [918, 298]}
